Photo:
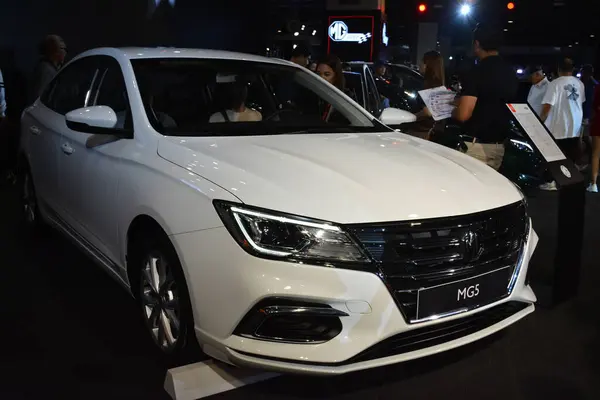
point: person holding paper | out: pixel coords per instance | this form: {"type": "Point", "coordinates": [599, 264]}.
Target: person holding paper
{"type": "Point", "coordinates": [562, 112]}
{"type": "Point", "coordinates": [486, 90]}
{"type": "Point", "coordinates": [432, 69]}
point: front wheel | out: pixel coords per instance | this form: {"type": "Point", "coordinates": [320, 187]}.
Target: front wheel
{"type": "Point", "coordinates": [164, 301]}
{"type": "Point", "coordinates": [29, 203]}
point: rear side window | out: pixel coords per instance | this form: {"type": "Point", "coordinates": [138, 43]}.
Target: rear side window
{"type": "Point", "coordinates": [71, 89]}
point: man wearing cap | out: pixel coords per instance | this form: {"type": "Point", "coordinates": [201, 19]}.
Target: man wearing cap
{"type": "Point", "coordinates": [538, 89]}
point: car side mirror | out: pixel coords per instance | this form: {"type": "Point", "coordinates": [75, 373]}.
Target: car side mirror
{"type": "Point", "coordinates": [393, 116]}
{"type": "Point", "coordinates": [100, 120]}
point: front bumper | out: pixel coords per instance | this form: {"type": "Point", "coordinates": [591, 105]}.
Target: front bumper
{"type": "Point", "coordinates": [225, 283]}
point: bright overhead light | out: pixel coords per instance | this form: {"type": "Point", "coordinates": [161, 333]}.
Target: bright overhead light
{"type": "Point", "coordinates": [505, 30]}
{"type": "Point", "coordinates": [268, 49]}
{"type": "Point", "coordinates": [510, 22]}
{"type": "Point", "coordinates": [450, 58]}
{"type": "Point", "coordinates": [520, 71]}
{"type": "Point", "coordinates": [570, 45]}
{"type": "Point", "coordinates": [314, 32]}
{"type": "Point", "coordinates": [303, 26]}
{"type": "Point", "coordinates": [592, 36]}
{"type": "Point", "coordinates": [579, 74]}
{"type": "Point", "coordinates": [294, 46]}
{"type": "Point", "coordinates": [296, 33]}
{"type": "Point", "coordinates": [576, 42]}
{"type": "Point", "coordinates": [465, 9]}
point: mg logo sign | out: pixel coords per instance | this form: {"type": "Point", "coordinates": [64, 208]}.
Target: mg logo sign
{"type": "Point", "coordinates": [338, 31]}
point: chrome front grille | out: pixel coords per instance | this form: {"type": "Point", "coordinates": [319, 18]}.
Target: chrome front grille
{"type": "Point", "coordinates": [420, 254]}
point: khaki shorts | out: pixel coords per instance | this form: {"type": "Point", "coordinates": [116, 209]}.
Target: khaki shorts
{"type": "Point", "coordinates": [491, 154]}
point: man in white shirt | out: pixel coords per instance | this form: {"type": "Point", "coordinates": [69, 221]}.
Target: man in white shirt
{"type": "Point", "coordinates": [237, 93]}
{"type": "Point", "coordinates": [562, 112]}
{"type": "Point", "coordinates": [538, 89]}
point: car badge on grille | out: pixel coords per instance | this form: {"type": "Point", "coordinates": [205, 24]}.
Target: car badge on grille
{"type": "Point", "coordinates": [472, 249]}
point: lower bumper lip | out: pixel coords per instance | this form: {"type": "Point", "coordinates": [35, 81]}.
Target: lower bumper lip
{"type": "Point", "coordinates": [302, 367]}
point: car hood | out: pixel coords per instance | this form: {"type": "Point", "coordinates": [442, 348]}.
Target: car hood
{"type": "Point", "coordinates": [344, 178]}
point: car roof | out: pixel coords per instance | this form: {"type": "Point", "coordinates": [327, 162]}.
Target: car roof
{"type": "Point", "coordinates": [132, 53]}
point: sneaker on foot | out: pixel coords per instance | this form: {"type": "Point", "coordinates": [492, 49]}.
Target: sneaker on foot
{"type": "Point", "coordinates": [593, 188]}
{"type": "Point", "coordinates": [551, 186]}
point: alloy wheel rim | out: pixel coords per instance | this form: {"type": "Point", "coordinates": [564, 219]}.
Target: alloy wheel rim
{"type": "Point", "coordinates": [161, 303]}
{"type": "Point", "coordinates": [29, 202]}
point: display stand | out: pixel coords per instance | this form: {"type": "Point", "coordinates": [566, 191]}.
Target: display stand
{"type": "Point", "coordinates": [571, 208]}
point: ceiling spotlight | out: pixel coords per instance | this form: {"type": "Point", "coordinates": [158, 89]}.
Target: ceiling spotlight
{"type": "Point", "coordinates": [465, 9]}
{"type": "Point", "coordinates": [303, 26]}
{"type": "Point", "coordinates": [570, 45]}
{"type": "Point", "coordinates": [505, 30]}
{"type": "Point", "coordinates": [592, 36]}
{"type": "Point", "coordinates": [450, 58]}
{"type": "Point", "coordinates": [296, 33]}
{"type": "Point", "coordinates": [268, 49]}
{"type": "Point", "coordinates": [520, 71]}
{"type": "Point", "coordinates": [279, 31]}
{"type": "Point", "coordinates": [510, 22]}
{"type": "Point", "coordinates": [576, 42]}
{"type": "Point", "coordinates": [314, 32]}
{"type": "Point", "coordinates": [294, 46]}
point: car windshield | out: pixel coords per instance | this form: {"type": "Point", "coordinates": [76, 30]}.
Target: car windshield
{"type": "Point", "coordinates": [215, 97]}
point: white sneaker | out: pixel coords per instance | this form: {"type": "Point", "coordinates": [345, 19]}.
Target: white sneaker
{"type": "Point", "coordinates": [551, 186]}
{"type": "Point", "coordinates": [593, 188]}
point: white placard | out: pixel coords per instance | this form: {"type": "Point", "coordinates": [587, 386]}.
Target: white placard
{"type": "Point", "coordinates": [537, 132]}
{"type": "Point", "coordinates": [439, 101]}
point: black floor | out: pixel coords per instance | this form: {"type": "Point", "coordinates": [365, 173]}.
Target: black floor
{"type": "Point", "coordinates": [69, 332]}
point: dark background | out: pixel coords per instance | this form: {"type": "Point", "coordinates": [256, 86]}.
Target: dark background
{"type": "Point", "coordinates": [84, 24]}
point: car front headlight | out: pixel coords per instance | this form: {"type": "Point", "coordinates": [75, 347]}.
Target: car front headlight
{"type": "Point", "coordinates": [276, 235]}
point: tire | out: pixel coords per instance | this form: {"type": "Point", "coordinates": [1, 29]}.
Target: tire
{"type": "Point", "coordinates": [163, 300]}
{"type": "Point", "coordinates": [30, 211]}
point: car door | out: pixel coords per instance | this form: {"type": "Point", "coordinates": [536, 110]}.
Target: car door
{"type": "Point", "coordinates": [45, 123]}
{"type": "Point", "coordinates": [91, 174]}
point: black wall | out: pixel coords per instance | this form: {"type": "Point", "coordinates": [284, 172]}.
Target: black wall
{"type": "Point", "coordinates": [224, 24]}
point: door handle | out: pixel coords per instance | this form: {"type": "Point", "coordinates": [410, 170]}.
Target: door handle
{"type": "Point", "coordinates": [67, 149]}
{"type": "Point", "coordinates": [35, 130]}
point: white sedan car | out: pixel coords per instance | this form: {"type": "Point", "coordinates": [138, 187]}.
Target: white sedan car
{"type": "Point", "coordinates": [251, 206]}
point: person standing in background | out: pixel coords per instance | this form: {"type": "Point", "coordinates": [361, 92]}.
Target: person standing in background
{"type": "Point", "coordinates": [562, 112]}
{"type": "Point", "coordinates": [539, 85]}
{"type": "Point", "coordinates": [52, 52]}
{"type": "Point", "coordinates": [595, 134]}
{"type": "Point", "coordinates": [490, 85]}
{"type": "Point", "coordinates": [301, 55]}
{"type": "Point", "coordinates": [587, 77]}
{"type": "Point", "coordinates": [432, 69]}
{"type": "Point", "coordinates": [2, 98]}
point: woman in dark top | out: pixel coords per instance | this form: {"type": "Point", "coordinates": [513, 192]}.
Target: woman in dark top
{"type": "Point", "coordinates": [331, 69]}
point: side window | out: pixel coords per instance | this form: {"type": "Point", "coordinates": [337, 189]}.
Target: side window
{"type": "Point", "coordinates": [71, 89]}
{"type": "Point", "coordinates": [113, 93]}
{"type": "Point", "coordinates": [374, 100]}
